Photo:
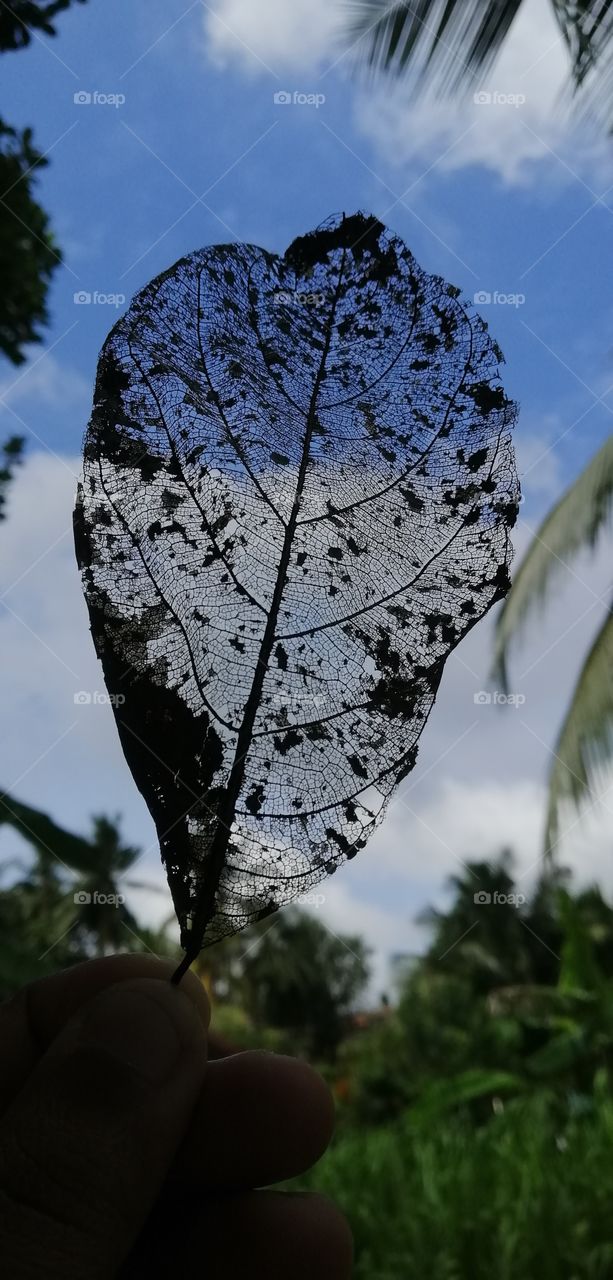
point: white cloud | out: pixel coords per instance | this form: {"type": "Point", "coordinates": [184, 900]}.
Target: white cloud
{"type": "Point", "coordinates": [47, 383]}
{"type": "Point", "coordinates": [411, 858]}
{"type": "Point", "coordinates": [274, 35]}
{"type": "Point", "coordinates": [538, 460]}
{"type": "Point", "coordinates": [53, 752]}
{"type": "Point", "coordinates": [514, 142]}
{"type": "Point", "coordinates": [462, 821]}
{"type": "Point", "coordinates": [387, 931]}
{"type": "Point", "coordinates": [497, 135]}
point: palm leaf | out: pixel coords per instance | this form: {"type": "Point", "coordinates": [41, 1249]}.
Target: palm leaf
{"type": "Point", "coordinates": [585, 743]}
{"type": "Point", "coordinates": [452, 43]}
{"type": "Point", "coordinates": [46, 836]}
{"type": "Point", "coordinates": [587, 29]}
{"type": "Point", "coordinates": [588, 32]}
{"type": "Point", "coordinates": [574, 523]}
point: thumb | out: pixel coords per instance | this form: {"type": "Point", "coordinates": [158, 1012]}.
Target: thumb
{"type": "Point", "coordinates": [85, 1146]}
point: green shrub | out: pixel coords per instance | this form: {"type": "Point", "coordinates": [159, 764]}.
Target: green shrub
{"type": "Point", "coordinates": [526, 1196]}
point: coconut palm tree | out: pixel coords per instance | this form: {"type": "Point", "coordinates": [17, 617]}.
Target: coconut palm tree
{"type": "Point", "coordinates": [69, 902]}
{"type": "Point", "coordinates": [584, 746]}
{"type": "Point", "coordinates": [451, 44]}
{"type": "Point", "coordinates": [102, 918]}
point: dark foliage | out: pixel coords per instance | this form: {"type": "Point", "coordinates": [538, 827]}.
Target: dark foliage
{"type": "Point", "coordinates": [28, 253]}
{"type": "Point", "coordinates": [11, 454]}
{"type": "Point", "coordinates": [65, 903]}
{"type": "Point", "coordinates": [298, 489]}
{"type": "Point", "coordinates": [19, 19]}
{"type": "Point", "coordinates": [301, 977]}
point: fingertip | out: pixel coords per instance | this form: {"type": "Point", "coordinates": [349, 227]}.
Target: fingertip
{"type": "Point", "coordinates": [313, 1110]}
{"type": "Point", "coordinates": [262, 1118]}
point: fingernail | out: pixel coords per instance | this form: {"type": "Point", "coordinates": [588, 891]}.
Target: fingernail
{"type": "Point", "coordinates": [146, 1025]}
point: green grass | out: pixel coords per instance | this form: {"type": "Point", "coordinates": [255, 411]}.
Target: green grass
{"type": "Point", "coordinates": [527, 1196]}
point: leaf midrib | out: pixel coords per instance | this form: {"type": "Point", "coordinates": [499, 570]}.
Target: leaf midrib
{"type": "Point", "coordinates": [225, 818]}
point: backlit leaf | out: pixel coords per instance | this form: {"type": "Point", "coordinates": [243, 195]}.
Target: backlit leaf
{"type": "Point", "coordinates": [298, 487]}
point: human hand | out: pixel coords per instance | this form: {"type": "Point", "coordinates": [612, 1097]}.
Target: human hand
{"type": "Point", "coordinates": [122, 1153]}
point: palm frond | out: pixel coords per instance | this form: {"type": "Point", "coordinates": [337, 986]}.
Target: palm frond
{"type": "Point", "coordinates": [451, 44]}
{"type": "Point", "coordinates": [47, 838]}
{"type": "Point", "coordinates": [143, 886]}
{"type": "Point", "coordinates": [451, 40]}
{"type": "Point", "coordinates": [573, 524]}
{"type": "Point", "coordinates": [585, 743]}
{"type": "Point", "coordinates": [588, 33]}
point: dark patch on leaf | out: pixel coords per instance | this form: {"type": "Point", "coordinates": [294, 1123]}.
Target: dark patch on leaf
{"type": "Point", "coordinates": [339, 839]}
{"type": "Point", "coordinates": [291, 739]}
{"type": "Point", "coordinates": [358, 766]}
{"type": "Point", "coordinates": [486, 397]}
{"type": "Point", "coordinates": [255, 799]}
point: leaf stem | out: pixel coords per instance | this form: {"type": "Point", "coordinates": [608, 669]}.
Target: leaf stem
{"type": "Point", "coordinates": [181, 969]}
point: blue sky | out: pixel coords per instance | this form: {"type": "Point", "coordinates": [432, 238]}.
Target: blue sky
{"type": "Point", "coordinates": [507, 199]}
{"type": "Point", "coordinates": [122, 179]}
